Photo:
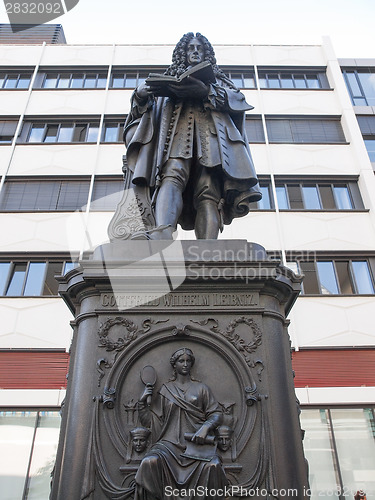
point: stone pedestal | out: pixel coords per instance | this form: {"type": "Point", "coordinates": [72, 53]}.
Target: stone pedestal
{"type": "Point", "coordinates": [137, 302]}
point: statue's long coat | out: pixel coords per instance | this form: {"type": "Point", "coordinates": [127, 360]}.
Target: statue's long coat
{"type": "Point", "coordinates": [162, 128]}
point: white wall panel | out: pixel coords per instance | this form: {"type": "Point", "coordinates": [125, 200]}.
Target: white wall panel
{"type": "Point", "coordinates": [110, 159]}
{"type": "Point", "coordinates": [118, 102]}
{"type": "Point", "coordinates": [333, 321]}
{"type": "Point", "coordinates": [313, 159]}
{"type": "Point", "coordinates": [42, 232]}
{"type": "Point", "coordinates": [76, 55]}
{"type": "Point", "coordinates": [20, 55]}
{"type": "Point", "coordinates": [12, 103]}
{"type": "Point", "coordinates": [294, 102]}
{"type": "Point", "coordinates": [143, 55]}
{"type": "Point", "coordinates": [66, 102]}
{"type": "Point", "coordinates": [35, 323]}
{"type": "Point", "coordinates": [327, 231]}
{"type": "Point", "coordinates": [260, 227]}
{"type": "Point", "coordinates": [54, 159]}
{"type": "Point", "coordinates": [289, 55]}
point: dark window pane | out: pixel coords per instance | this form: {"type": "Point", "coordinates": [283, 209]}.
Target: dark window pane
{"type": "Point", "coordinates": [92, 134]}
{"type": "Point", "coordinates": [51, 133]}
{"type": "Point", "coordinates": [69, 266]}
{"type": "Point", "coordinates": [90, 82]}
{"type": "Point", "coordinates": [327, 198]}
{"type": "Point", "coordinates": [311, 198]}
{"type": "Point", "coordinates": [279, 130]}
{"type": "Point", "coordinates": [36, 133]}
{"type": "Point", "coordinates": [17, 279]}
{"type": "Point", "coordinates": [4, 271]}
{"type": "Point", "coordinates": [295, 196]}
{"type": "Point", "coordinates": [310, 282]}
{"type": "Point", "coordinates": [131, 80]}
{"type": "Point", "coordinates": [327, 277]}
{"type": "Point", "coordinates": [299, 81]}
{"type": "Point", "coordinates": [50, 82]}
{"type": "Point", "coordinates": [282, 198]}
{"type": "Point", "coordinates": [23, 82]}
{"type": "Point", "coordinates": [362, 277]}
{"type": "Point", "coordinates": [273, 82]}
{"type": "Point", "coordinates": [249, 82]}
{"type": "Point", "coordinates": [370, 146]}
{"type": "Point", "coordinates": [237, 80]}
{"type": "Point", "coordinates": [102, 81]}
{"type": "Point", "coordinates": [76, 82]}
{"type": "Point", "coordinates": [313, 82]}
{"type": "Point", "coordinates": [263, 82]}
{"type": "Point", "coordinates": [351, 79]}
{"type": "Point", "coordinates": [265, 202]}
{"type": "Point", "coordinates": [80, 131]}
{"type": "Point", "coordinates": [254, 130]}
{"type": "Point", "coordinates": [368, 84]}
{"type": "Point", "coordinates": [287, 81]}
{"type": "Point", "coordinates": [342, 197]}
{"type": "Point", "coordinates": [63, 82]}
{"type": "Point", "coordinates": [65, 133]}
{"type": "Point", "coordinates": [30, 196]}
{"type": "Point", "coordinates": [2, 79]}
{"type": "Point", "coordinates": [50, 283]}
{"type": "Point", "coordinates": [111, 132]}
{"type": "Point", "coordinates": [34, 279]}
{"type": "Point", "coordinates": [73, 195]}
{"type": "Point", "coordinates": [11, 82]}
{"type": "Point", "coordinates": [106, 194]}
{"type": "Point", "coordinates": [118, 81]}
{"type": "Point", "coordinates": [343, 275]}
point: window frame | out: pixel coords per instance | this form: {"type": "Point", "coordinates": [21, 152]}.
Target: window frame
{"type": "Point", "coordinates": [19, 75]}
{"type": "Point", "coordinates": [71, 74]}
{"type": "Point", "coordinates": [291, 132]}
{"type": "Point", "coordinates": [264, 74]}
{"type": "Point", "coordinates": [362, 96]}
{"type": "Point", "coordinates": [299, 260]}
{"type": "Point", "coordinates": [29, 125]}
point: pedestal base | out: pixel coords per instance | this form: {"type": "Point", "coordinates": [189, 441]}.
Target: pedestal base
{"type": "Point", "coordinates": [138, 302]}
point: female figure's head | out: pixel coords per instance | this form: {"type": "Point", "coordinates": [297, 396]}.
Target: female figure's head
{"type": "Point", "coordinates": [182, 361]}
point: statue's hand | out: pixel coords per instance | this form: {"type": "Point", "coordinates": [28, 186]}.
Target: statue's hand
{"type": "Point", "coordinates": [147, 394]}
{"type": "Point", "coordinates": [143, 91]}
{"type": "Point", "coordinates": [193, 88]}
{"type": "Point", "coordinates": [201, 434]}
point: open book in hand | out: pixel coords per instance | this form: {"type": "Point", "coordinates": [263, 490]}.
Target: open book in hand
{"type": "Point", "coordinates": [202, 71]}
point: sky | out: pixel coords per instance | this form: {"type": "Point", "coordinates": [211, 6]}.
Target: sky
{"type": "Point", "coordinates": [349, 23]}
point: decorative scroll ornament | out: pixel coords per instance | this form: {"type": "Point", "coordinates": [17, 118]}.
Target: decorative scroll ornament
{"type": "Point", "coordinates": [131, 333]}
{"type": "Point", "coordinates": [134, 216]}
{"type": "Point", "coordinates": [234, 338]}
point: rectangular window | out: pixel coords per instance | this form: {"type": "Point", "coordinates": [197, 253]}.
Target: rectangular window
{"type": "Point", "coordinates": [241, 79]}
{"type": "Point", "coordinates": [106, 194]}
{"type": "Point", "coordinates": [19, 81]}
{"type": "Point", "coordinates": [273, 79]}
{"type": "Point", "coordinates": [76, 80]}
{"type": "Point", "coordinates": [59, 132]}
{"type": "Point", "coordinates": [28, 443]}
{"type": "Point", "coordinates": [113, 131]}
{"type": "Point", "coordinates": [7, 131]}
{"type": "Point", "coordinates": [305, 131]}
{"type": "Point", "coordinates": [254, 130]}
{"type": "Point", "coordinates": [130, 79]}
{"type": "Point", "coordinates": [338, 276]}
{"type": "Point", "coordinates": [31, 278]}
{"type": "Point", "coordinates": [320, 195]}
{"type": "Point", "coordinates": [361, 86]}
{"type": "Point", "coordinates": [43, 195]}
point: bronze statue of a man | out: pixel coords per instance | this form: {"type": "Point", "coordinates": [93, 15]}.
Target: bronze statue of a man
{"type": "Point", "coordinates": [186, 140]}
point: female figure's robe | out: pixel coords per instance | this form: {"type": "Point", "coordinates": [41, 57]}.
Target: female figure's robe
{"type": "Point", "coordinates": [184, 410]}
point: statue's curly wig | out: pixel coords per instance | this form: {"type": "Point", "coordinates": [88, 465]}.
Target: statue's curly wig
{"type": "Point", "coordinates": [179, 61]}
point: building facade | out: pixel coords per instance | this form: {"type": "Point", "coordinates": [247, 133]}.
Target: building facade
{"type": "Point", "coordinates": [312, 136]}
